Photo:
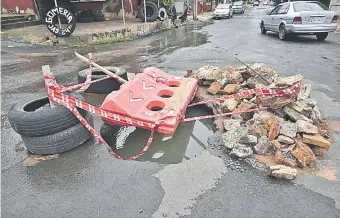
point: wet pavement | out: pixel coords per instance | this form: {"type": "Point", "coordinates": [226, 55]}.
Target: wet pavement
{"type": "Point", "coordinates": [181, 176]}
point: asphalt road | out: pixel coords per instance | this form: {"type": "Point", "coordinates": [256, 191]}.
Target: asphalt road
{"type": "Point", "coordinates": [88, 182]}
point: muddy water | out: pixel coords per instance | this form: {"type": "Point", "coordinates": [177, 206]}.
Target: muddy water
{"type": "Point", "coordinates": [189, 140]}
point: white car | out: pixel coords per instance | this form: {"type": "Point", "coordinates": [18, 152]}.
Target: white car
{"type": "Point", "coordinates": [300, 18]}
{"type": "Point", "coordinates": [223, 11]}
{"type": "Point", "coordinates": [239, 7]}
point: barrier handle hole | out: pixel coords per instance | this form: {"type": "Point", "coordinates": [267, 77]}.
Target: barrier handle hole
{"type": "Point", "coordinates": [156, 108]}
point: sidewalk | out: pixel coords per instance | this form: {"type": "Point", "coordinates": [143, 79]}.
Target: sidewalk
{"type": "Point", "coordinates": [90, 33]}
{"type": "Point", "coordinates": [87, 33]}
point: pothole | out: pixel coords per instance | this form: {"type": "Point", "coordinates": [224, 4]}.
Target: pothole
{"type": "Point", "coordinates": [189, 140]}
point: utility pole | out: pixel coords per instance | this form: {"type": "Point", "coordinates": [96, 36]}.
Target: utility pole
{"type": "Point", "coordinates": [195, 10]}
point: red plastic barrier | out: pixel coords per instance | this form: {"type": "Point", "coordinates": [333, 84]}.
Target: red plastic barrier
{"type": "Point", "coordinates": [152, 96]}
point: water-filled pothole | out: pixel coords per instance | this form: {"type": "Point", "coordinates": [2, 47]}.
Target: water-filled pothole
{"type": "Point", "coordinates": [189, 140]}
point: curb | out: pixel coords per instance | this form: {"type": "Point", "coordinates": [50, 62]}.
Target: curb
{"type": "Point", "coordinates": [90, 39]}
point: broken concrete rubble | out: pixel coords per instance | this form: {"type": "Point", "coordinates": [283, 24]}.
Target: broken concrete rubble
{"type": "Point", "coordinates": [305, 127]}
{"type": "Point", "coordinates": [281, 131]}
{"type": "Point", "coordinates": [285, 139]}
{"type": "Point", "coordinates": [248, 140]}
{"type": "Point", "coordinates": [210, 73]}
{"type": "Point", "coordinates": [294, 115]}
{"type": "Point", "coordinates": [230, 89]}
{"type": "Point", "coordinates": [229, 105]}
{"type": "Point", "coordinates": [228, 123]}
{"type": "Point", "coordinates": [317, 140]}
{"type": "Point", "coordinates": [304, 154]}
{"type": "Point", "coordinates": [263, 146]}
{"type": "Point", "coordinates": [283, 172]}
{"type": "Point", "coordinates": [232, 137]}
{"type": "Point", "coordinates": [305, 92]}
{"type": "Point", "coordinates": [241, 151]}
{"type": "Point", "coordinates": [214, 88]}
{"type": "Point", "coordinates": [288, 129]}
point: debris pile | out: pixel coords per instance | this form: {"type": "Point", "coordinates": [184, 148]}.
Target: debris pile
{"type": "Point", "coordinates": [291, 130]}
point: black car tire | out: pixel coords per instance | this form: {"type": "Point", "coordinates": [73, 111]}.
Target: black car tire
{"type": "Point", "coordinates": [25, 120]}
{"type": "Point", "coordinates": [263, 29]}
{"type": "Point", "coordinates": [104, 86]}
{"type": "Point", "coordinates": [86, 19]}
{"type": "Point", "coordinates": [321, 36]}
{"type": "Point", "coordinates": [59, 142]}
{"type": "Point", "coordinates": [51, 21]}
{"type": "Point", "coordinates": [99, 19]}
{"type": "Point", "coordinates": [151, 12]}
{"type": "Point", "coordinates": [283, 32]}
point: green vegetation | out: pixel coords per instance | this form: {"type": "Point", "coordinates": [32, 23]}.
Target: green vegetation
{"type": "Point", "coordinates": [102, 42]}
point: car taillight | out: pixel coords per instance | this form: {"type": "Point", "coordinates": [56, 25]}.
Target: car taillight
{"type": "Point", "coordinates": [297, 20]}
{"type": "Point", "coordinates": [335, 19]}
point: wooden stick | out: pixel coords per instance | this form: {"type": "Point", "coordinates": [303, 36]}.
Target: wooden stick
{"type": "Point", "coordinates": [118, 78]}
{"type": "Point", "coordinates": [252, 70]}
{"type": "Point", "coordinates": [47, 72]}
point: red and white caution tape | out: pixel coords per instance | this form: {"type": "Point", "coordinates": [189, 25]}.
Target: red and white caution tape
{"type": "Point", "coordinates": [263, 91]}
{"type": "Point", "coordinates": [55, 90]}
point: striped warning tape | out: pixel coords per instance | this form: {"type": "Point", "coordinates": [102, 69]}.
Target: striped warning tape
{"type": "Point", "coordinates": [55, 90]}
{"type": "Point", "coordinates": [262, 91]}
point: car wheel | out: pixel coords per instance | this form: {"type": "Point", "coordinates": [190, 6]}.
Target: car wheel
{"type": "Point", "coordinates": [321, 36]}
{"type": "Point", "coordinates": [282, 32]}
{"type": "Point", "coordinates": [263, 29]}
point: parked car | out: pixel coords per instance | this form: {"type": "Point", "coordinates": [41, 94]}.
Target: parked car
{"type": "Point", "coordinates": [272, 3]}
{"type": "Point", "coordinates": [303, 18]}
{"type": "Point", "coordinates": [256, 3]}
{"type": "Point", "coordinates": [223, 11]}
{"type": "Point", "coordinates": [239, 7]}
{"type": "Point", "coordinates": [265, 3]}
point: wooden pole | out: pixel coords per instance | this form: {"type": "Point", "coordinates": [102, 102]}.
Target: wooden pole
{"type": "Point", "coordinates": [118, 78]}
{"type": "Point", "coordinates": [47, 72]}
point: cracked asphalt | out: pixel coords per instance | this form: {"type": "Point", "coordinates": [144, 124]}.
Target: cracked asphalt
{"type": "Point", "coordinates": [88, 182]}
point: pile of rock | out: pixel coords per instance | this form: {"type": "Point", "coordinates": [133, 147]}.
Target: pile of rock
{"type": "Point", "coordinates": [292, 130]}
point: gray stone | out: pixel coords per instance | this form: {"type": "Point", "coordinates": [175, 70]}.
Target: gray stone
{"type": "Point", "coordinates": [311, 102]}
{"type": "Point", "coordinates": [285, 140]}
{"type": "Point", "coordinates": [215, 140]}
{"type": "Point", "coordinates": [288, 129]}
{"type": "Point", "coordinates": [283, 172]}
{"type": "Point", "coordinates": [229, 105]}
{"type": "Point", "coordinates": [317, 113]}
{"type": "Point", "coordinates": [305, 92]}
{"type": "Point", "coordinates": [210, 73]}
{"type": "Point", "coordinates": [290, 80]}
{"type": "Point", "coordinates": [248, 140]}
{"type": "Point", "coordinates": [305, 127]}
{"type": "Point", "coordinates": [263, 146]}
{"type": "Point", "coordinates": [294, 115]}
{"type": "Point", "coordinates": [232, 137]}
{"type": "Point", "coordinates": [227, 124]}
{"type": "Point", "coordinates": [241, 151]}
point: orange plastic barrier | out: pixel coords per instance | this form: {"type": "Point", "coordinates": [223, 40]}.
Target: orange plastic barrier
{"type": "Point", "coordinates": [152, 96]}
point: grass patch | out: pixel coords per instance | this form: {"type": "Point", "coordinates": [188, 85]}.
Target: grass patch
{"type": "Point", "coordinates": [20, 33]}
{"type": "Point", "coordinates": [102, 42]}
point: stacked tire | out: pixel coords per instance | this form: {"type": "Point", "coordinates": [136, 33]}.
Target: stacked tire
{"type": "Point", "coordinates": [151, 11]}
{"type": "Point", "coordinates": [46, 130]}
{"type": "Point", "coordinates": [104, 86]}
{"type": "Point", "coordinates": [85, 16]}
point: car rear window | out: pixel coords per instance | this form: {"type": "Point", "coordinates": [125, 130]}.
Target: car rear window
{"type": "Point", "coordinates": [309, 6]}
{"type": "Point", "coordinates": [238, 3]}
